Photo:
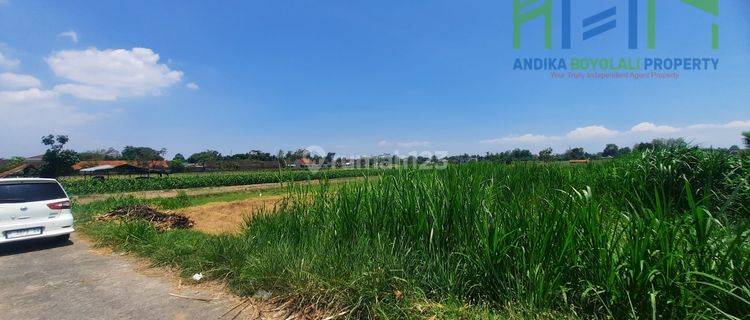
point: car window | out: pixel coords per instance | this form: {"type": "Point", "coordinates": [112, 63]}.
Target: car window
{"type": "Point", "coordinates": [30, 192]}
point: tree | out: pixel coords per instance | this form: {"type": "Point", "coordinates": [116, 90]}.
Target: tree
{"type": "Point", "coordinates": [734, 149]}
{"type": "Point", "coordinates": [259, 155]}
{"type": "Point", "coordinates": [643, 146]}
{"type": "Point", "coordinates": [143, 154]}
{"type": "Point", "coordinates": [299, 154]}
{"type": "Point", "coordinates": [57, 161]}
{"type": "Point", "coordinates": [611, 150]}
{"type": "Point", "coordinates": [659, 144]}
{"type": "Point", "coordinates": [669, 143]}
{"type": "Point", "coordinates": [177, 166]}
{"type": "Point", "coordinates": [179, 157]}
{"type": "Point", "coordinates": [545, 154]}
{"type": "Point", "coordinates": [11, 163]}
{"type": "Point", "coordinates": [235, 157]}
{"type": "Point", "coordinates": [205, 157]}
{"type": "Point", "coordinates": [746, 137]}
{"type": "Point", "coordinates": [575, 154]}
{"type": "Point", "coordinates": [55, 142]}
{"type": "Point", "coordinates": [520, 155]}
{"type": "Point", "coordinates": [280, 157]}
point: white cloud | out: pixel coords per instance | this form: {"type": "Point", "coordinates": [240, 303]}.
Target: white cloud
{"type": "Point", "coordinates": [87, 92]}
{"type": "Point", "coordinates": [594, 138]}
{"type": "Point", "coordinates": [38, 109]}
{"type": "Point", "coordinates": [591, 132]}
{"type": "Point", "coordinates": [29, 114]}
{"type": "Point", "coordinates": [24, 97]}
{"type": "Point", "coordinates": [738, 124]}
{"type": "Point", "coordinates": [11, 80]}
{"type": "Point", "coordinates": [731, 125]}
{"type": "Point", "coordinates": [8, 63]}
{"type": "Point", "coordinates": [28, 111]}
{"type": "Point", "coordinates": [192, 86]}
{"type": "Point", "coordinates": [72, 35]}
{"type": "Point", "coordinates": [111, 74]}
{"type": "Point", "coordinates": [650, 127]}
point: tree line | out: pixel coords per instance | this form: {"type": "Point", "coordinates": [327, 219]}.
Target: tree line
{"type": "Point", "coordinates": [58, 160]}
{"type": "Point", "coordinates": [610, 151]}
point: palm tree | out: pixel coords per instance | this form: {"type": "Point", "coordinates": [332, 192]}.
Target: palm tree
{"type": "Point", "coordinates": [747, 139]}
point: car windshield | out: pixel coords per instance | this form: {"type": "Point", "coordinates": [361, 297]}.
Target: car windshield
{"type": "Point", "coordinates": [30, 192]}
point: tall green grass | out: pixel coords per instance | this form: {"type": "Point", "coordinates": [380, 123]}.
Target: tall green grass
{"type": "Point", "coordinates": [662, 234]}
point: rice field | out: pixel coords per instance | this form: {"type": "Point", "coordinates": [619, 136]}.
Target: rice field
{"type": "Point", "coordinates": [659, 235]}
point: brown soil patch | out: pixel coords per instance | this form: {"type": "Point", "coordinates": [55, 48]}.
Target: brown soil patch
{"type": "Point", "coordinates": [227, 217]}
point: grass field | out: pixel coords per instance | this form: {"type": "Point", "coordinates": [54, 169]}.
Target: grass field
{"type": "Point", "coordinates": [661, 234]}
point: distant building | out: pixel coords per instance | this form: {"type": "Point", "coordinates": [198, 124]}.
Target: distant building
{"type": "Point", "coordinates": [347, 162]}
{"type": "Point", "coordinates": [107, 167]}
{"type": "Point", "coordinates": [195, 167]}
{"type": "Point", "coordinates": [303, 163]}
{"type": "Point", "coordinates": [154, 166]}
{"type": "Point", "coordinates": [28, 167]}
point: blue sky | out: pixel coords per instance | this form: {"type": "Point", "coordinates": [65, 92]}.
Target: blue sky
{"type": "Point", "coordinates": [353, 77]}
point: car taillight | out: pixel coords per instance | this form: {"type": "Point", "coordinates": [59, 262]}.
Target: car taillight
{"type": "Point", "coordinates": [59, 205]}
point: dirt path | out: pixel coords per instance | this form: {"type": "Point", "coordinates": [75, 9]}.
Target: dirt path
{"type": "Point", "coordinates": [196, 191]}
{"type": "Point", "coordinates": [47, 280]}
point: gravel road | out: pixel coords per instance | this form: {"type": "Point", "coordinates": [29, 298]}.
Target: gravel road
{"type": "Point", "coordinates": [47, 280]}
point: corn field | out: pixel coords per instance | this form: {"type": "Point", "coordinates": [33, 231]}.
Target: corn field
{"type": "Point", "coordinates": [91, 186]}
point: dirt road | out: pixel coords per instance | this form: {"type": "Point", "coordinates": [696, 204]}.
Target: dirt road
{"type": "Point", "coordinates": [44, 280]}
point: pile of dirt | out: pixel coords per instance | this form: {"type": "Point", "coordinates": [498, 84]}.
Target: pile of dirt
{"type": "Point", "coordinates": [162, 221]}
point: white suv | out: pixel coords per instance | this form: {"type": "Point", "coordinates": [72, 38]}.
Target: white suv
{"type": "Point", "coordinates": [33, 208]}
